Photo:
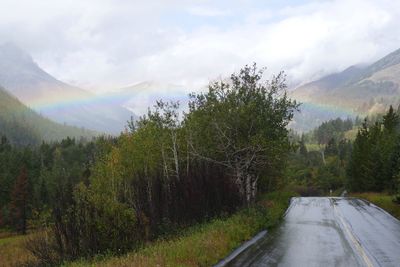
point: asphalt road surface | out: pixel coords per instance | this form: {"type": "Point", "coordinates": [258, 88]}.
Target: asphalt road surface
{"type": "Point", "coordinates": [321, 231]}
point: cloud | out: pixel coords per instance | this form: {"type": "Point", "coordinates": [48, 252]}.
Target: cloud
{"type": "Point", "coordinates": [207, 11]}
{"type": "Point", "coordinates": [104, 44]}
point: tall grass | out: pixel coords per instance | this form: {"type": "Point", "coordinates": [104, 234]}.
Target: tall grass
{"type": "Point", "coordinates": [13, 252]}
{"type": "Point", "coordinates": [201, 245]}
{"type": "Point", "coordinates": [205, 244]}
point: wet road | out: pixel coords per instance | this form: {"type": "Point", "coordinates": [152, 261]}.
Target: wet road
{"type": "Point", "coordinates": [328, 232]}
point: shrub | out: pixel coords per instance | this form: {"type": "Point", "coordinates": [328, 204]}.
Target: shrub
{"type": "Point", "coordinates": [396, 199]}
{"type": "Point", "coordinates": [307, 191]}
{"type": "Point", "coordinates": [43, 246]}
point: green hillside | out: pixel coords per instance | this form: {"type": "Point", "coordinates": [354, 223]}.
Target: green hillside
{"type": "Point", "coordinates": [362, 89]}
{"type": "Point", "coordinates": [356, 91]}
{"type": "Point", "coordinates": [23, 126]}
{"type": "Point", "coordinates": [24, 79]}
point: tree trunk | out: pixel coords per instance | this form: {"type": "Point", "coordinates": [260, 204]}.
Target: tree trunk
{"type": "Point", "coordinates": [248, 189]}
{"type": "Point", "coordinates": [254, 188]}
{"type": "Point", "coordinates": [166, 184]}
{"type": "Point", "coordinates": [187, 159]}
{"type": "Point", "coordinates": [239, 181]}
{"type": "Point", "coordinates": [175, 152]}
{"type": "Point", "coordinates": [150, 199]}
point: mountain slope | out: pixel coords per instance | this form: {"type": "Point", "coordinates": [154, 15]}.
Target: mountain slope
{"type": "Point", "coordinates": [363, 90]}
{"type": "Point", "coordinates": [23, 126]}
{"type": "Point", "coordinates": [139, 97]}
{"type": "Point", "coordinates": [57, 100]}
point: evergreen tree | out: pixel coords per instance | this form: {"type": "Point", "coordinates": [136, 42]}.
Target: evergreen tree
{"type": "Point", "coordinates": [331, 148]}
{"type": "Point", "coordinates": [360, 167]}
{"type": "Point", "coordinates": [394, 168]}
{"type": "Point", "coordinates": [391, 121]}
{"type": "Point", "coordinates": [19, 202]}
{"type": "Point", "coordinates": [375, 159]}
{"type": "Point", "coordinates": [302, 147]}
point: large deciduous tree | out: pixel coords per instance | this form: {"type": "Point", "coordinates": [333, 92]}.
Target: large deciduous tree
{"type": "Point", "coordinates": [240, 123]}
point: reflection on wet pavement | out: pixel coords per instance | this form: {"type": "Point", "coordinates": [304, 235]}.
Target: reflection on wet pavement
{"type": "Point", "coordinates": [321, 231]}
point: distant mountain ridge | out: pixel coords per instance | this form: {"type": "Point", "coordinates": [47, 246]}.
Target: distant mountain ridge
{"type": "Point", "coordinates": [360, 90]}
{"type": "Point", "coordinates": [18, 72]}
{"type": "Point", "coordinates": [23, 126]}
{"type": "Point", "coordinates": [59, 101]}
{"type": "Point", "coordinates": [139, 97]}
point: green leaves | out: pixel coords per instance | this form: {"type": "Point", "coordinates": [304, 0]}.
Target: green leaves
{"type": "Point", "coordinates": [241, 123]}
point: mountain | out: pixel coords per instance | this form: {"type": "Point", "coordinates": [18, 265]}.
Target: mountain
{"type": "Point", "coordinates": [139, 97]}
{"type": "Point", "coordinates": [359, 89]}
{"type": "Point", "coordinates": [312, 115]}
{"type": "Point", "coordinates": [59, 101]}
{"type": "Point", "coordinates": [23, 126]}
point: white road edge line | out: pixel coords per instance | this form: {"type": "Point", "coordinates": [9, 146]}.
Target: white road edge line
{"type": "Point", "coordinates": [353, 238]}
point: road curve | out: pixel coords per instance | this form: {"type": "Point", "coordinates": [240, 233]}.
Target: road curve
{"type": "Point", "coordinates": [321, 231]}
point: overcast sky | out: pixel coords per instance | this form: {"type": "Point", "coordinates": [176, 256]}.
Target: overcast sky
{"type": "Point", "coordinates": [105, 44]}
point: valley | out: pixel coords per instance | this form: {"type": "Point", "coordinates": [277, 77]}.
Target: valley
{"type": "Point", "coordinates": [199, 133]}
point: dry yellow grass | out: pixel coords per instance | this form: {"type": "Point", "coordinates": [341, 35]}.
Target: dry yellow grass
{"type": "Point", "coordinates": [12, 251]}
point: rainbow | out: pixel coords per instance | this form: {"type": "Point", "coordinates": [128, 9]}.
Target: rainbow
{"type": "Point", "coordinates": [142, 100]}
{"type": "Point", "coordinates": [329, 108]}
{"type": "Point", "coordinates": [49, 105]}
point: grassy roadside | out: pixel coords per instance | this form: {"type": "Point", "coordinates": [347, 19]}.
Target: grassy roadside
{"type": "Point", "coordinates": [205, 244]}
{"type": "Point", "coordinates": [12, 251]}
{"type": "Point", "coordinates": [382, 200]}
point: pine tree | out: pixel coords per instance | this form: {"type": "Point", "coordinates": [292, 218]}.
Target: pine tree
{"type": "Point", "coordinates": [388, 143]}
{"type": "Point", "coordinates": [19, 202]}
{"type": "Point", "coordinates": [331, 148]}
{"type": "Point", "coordinates": [390, 121]}
{"type": "Point", "coordinates": [394, 168]}
{"type": "Point", "coordinates": [361, 167]}
{"type": "Point", "coordinates": [376, 158]}
{"type": "Point", "coordinates": [303, 149]}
